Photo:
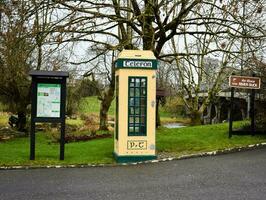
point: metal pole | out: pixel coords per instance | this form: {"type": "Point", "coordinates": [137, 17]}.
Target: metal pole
{"type": "Point", "coordinates": [32, 140]}
{"type": "Point", "coordinates": [33, 115]}
{"type": "Point", "coordinates": [62, 141]}
{"type": "Point", "coordinates": [231, 112]}
{"type": "Point", "coordinates": [252, 114]}
{"type": "Point", "coordinates": [63, 119]}
{"type": "Point", "coordinates": [248, 106]}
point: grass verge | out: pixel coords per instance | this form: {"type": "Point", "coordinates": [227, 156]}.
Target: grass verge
{"type": "Point", "coordinates": [174, 142]}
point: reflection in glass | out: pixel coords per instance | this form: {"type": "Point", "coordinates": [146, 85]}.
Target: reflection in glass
{"type": "Point", "coordinates": [131, 101]}
{"type": "Point", "coordinates": [131, 92]}
{"type": "Point", "coordinates": [132, 84]}
{"type": "Point", "coordinates": [131, 110]}
{"type": "Point", "coordinates": [137, 92]}
{"type": "Point", "coordinates": [142, 120]}
{"type": "Point", "coordinates": [142, 110]}
{"type": "Point", "coordinates": [131, 129]}
{"type": "Point", "coordinates": [143, 101]}
{"type": "Point", "coordinates": [137, 111]}
{"type": "Point", "coordinates": [137, 105]}
{"type": "Point", "coordinates": [143, 92]}
{"type": "Point", "coordinates": [137, 101]}
{"type": "Point", "coordinates": [143, 82]}
{"type": "Point", "coordinates": [137, 82]}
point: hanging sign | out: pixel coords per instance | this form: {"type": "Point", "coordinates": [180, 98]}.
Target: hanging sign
{"type": "Point", "coordinates": [245, 82]}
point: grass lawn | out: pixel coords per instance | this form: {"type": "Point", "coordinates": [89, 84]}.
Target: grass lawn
{"type": "Point", "coordinates": [92, 105]}
{"type": "Point", "coordinates": [16, 152]}
{"type": "Point", "coordinates": [176, 142]}
{"type": "Point", "coordinates": [198, 139]}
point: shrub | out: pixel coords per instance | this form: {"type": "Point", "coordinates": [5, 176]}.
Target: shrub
{"type": "Point", "coordinates": [175, 106]}
{"type": "Point", "coordinates": [261, 116]}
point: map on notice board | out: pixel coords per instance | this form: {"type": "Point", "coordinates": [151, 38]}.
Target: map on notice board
{"type": "Point", "coordinates": [48, 100]}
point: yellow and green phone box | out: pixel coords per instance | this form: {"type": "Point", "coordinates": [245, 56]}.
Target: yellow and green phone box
{"type": "Point", "coordinates": [135, 76]}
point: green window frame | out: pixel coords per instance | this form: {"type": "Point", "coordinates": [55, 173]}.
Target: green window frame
{"type": "Point", "coordinates": [137, 106]}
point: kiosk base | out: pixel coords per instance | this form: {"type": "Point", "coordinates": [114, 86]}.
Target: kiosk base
{"type": "Point", "coordinates": [131, 159]}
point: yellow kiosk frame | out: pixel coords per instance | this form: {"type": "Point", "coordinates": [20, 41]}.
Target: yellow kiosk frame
{"type": "Point", "coordinates": [135, 75]}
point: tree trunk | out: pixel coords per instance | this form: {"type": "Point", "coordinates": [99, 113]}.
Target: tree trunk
{"type": "Point", "coordinates": [218, 112]}
{"type": "Point", "coordinates": [22, 122]}
{"type": "Point", "coordinates": [195, 117]}
{"type": "Point", "coordinates": [106, 100]}
{"type": "Point", "coordinates": [148, 30]}
{"type": "Point", "coordinates": [21, 109]}
{"type": "Point", "coordinates": [158, 120]}
{"type": "Point", "coordinates": [105, 105]}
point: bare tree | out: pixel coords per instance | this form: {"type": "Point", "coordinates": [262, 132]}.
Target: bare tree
{"type": "Point", "coordinates": [152, 24]}
{"type": "Point", "coordinates": [209, 40]}
{"type": "Point", "coordinates": [25, 26]}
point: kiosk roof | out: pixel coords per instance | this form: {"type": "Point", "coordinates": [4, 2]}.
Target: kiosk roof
{"type": "Point", "coordinates": [137, 54]}
{"type": "Point", "coordinates": [48, 73]}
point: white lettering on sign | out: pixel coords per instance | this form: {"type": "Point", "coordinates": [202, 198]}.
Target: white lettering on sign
{"type": "Point", "coordinates": [245, 82]}
{"type": "Point", "coordinates": [141, 64]}
{"type": "Point", "coordinates": [136, 144]}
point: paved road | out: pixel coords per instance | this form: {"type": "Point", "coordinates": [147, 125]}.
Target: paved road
{"type": "Point", "coordinates": [232, 176]}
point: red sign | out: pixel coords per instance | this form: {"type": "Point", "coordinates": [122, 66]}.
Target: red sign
{"type": "Point", "coordinates": [244, 82]}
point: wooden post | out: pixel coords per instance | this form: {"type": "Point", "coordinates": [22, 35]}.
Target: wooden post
{"type": "Point", "coordinates": [231, 112]}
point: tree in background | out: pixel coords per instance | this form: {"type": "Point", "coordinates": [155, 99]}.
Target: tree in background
{"type": "Point", "coordinates": [16, 47]}
{"type": "Point", "coordinates": [24, 29]}
{"type": "Point", "coordinates": [108, 26]}
{"type": "Point", "coordinates": [200, 78]}
{"type": "Point", "coordinates": [159, 26]}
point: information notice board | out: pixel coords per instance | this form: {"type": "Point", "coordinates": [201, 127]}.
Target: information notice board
{"type": "Point", "coordinates": [48, 100]}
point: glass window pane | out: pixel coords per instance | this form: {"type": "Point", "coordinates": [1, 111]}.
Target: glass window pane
{"type": "Point", "coordinates": [137, 101]}
{"type": "Point", "coordinates": [143, 92]}
{"type": "Point", "coordinates": [131, 119]}
{"type": "Point", "coordinates": [143, 82]}
{"type": "Point", "coordinates": [131, 129]}
{"type": "Point", "coordinates": [131, 101]}
{"type": "Point", "coordinates": [137, 111]}
{"type": "Point", "coordinates": [137, 105]}
{"type": "Point", "coordinates": [142, 129]}
{"type": "Point", "coordinates": [131, 92]}
{"type": "Point", "coordinates": [132, 82]}
{"type": "Point", "coordinates": [137, 92]}
{"type": "Point", "coordinates": [131, 110]}
{"type": "Point", "coordinates": [143, 110]}
{"type": "Point", "coordinates": [142, 120]}
{"type": "Point", "coordinates": [137, 82]}
{"type": "Point", "coordinates": [143, 101]}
